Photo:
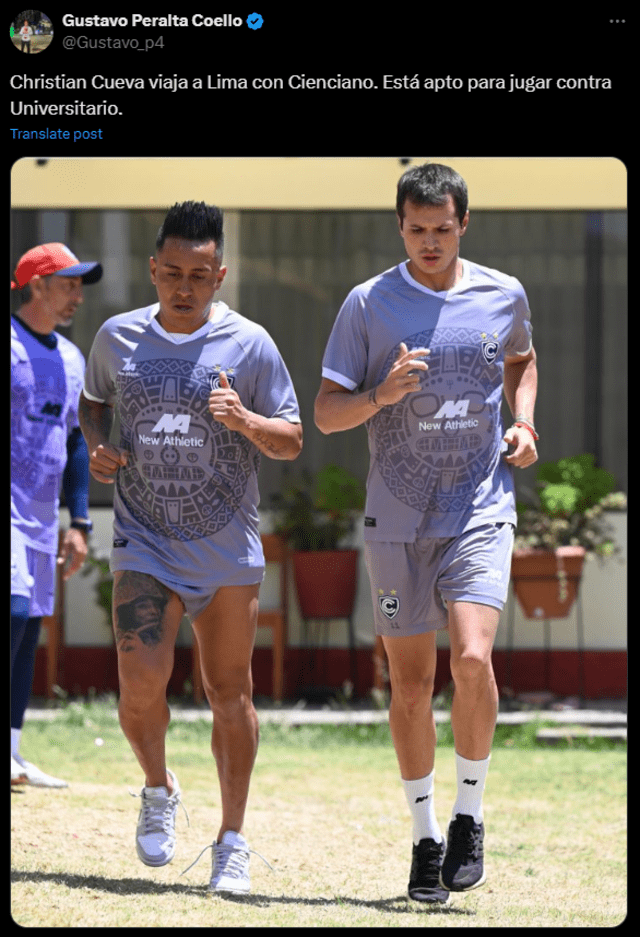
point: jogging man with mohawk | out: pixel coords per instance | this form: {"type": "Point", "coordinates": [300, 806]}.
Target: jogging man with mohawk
{"type": "Point", "coordinates": [201, 393]}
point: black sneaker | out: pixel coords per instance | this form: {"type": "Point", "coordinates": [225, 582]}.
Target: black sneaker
{"type": "Point", "coordinates": [463, 866]}
{"type": "Point", "coordinates": [424, 881]}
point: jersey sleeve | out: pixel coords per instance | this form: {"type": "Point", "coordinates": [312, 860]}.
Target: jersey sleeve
{"type": "Point", "coordinates": [346, 354]}
{"type": "Point", "coordinates": [520, 340]}
{"type": "Point", "coordinates": [99, 379]}
{"type": "Point", "coordinates": [274, 395]}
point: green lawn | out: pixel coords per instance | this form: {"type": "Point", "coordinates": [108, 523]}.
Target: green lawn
{"type": "Point", "coordinates": [327, 811]}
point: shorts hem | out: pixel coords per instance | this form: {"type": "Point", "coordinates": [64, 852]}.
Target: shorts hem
{"type": "Point", "coordinates": [410, 631]}
{"type": "Point", "coordinates": [490, 600]}
{"type": "Point", "coordinates": [197, 602]}
{"type": "Point", "coordinates": [195, 608]}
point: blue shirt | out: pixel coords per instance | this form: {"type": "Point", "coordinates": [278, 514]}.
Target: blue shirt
{"type": "Point", "coordinates": [46, 380]}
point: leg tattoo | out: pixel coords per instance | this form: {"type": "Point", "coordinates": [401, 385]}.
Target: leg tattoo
{"type": "Point", "coordinates": [139, 602]}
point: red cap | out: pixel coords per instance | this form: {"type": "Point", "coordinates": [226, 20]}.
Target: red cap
{"type": "Point", "coordinates": [56, 259]}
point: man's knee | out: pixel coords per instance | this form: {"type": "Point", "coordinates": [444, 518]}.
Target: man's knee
{"type": "Point", "coordinates": [471, 668]}
{"type": "Point", "coordinates": [229, 693]}
{"type": "Point", "coordinates": [412, 694]}
{"type": "Point", "coordinates": [142, 684]}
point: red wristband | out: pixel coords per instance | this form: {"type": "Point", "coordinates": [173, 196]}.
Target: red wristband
{"type": "Point", "coordinates": [530, 428]}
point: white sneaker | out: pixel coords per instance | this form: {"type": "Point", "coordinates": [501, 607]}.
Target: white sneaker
{"type": "Point", "coordinates": [34, 775]}
{"type": "Point", "coordinates": [156, 830]}
{"type": "Point", "coordinates": [230, 871]}
{"type": "Point", "coordinates": [18, 774]}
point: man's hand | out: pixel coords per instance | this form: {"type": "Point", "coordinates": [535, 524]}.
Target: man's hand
{"type": "Point", "coordinates": [225, 405]}
{"type": "Point", "coordinates": [525, 452]}
{"type": "Point", "coordinates": [73, 552]}
{"type": "Point", "coordinates": [402, 379]}
{"type": "Point", "coordinates": [104, 462]}
{"type": "Point", "coordinates": [275, 437]}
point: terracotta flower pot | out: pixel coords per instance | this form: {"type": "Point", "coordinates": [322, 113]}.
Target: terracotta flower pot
{"type": "Point", "coordinates": [326, 582]}
{"type": "Point", "coordinates": [545, 582]}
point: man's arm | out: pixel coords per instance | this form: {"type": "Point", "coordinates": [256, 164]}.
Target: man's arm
{"type": "Point", "coordinates": [520, 390]}
{"type": "Point", "coordinates": [275, 437]}
{"type": "Point", "coordinates": [338, 408]}
{"type": "Point", "coordinates": [96, 421]}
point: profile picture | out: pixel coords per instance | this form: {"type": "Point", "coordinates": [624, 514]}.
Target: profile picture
{"type": "Point", "coordinates": [31, 32]}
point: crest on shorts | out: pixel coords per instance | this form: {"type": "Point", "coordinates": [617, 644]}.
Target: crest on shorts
{"type": "Point", "coordinates": [389, 605]}
{"type": "Point", "coordinates": [490, 347]}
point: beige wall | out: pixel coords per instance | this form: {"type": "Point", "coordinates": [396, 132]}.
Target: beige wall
{"type": "Point", "coordinates": [310, 183]}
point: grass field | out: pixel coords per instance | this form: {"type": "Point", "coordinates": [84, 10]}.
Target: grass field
{"type": "Point", "coordinates": [327, 811]}
{"type": "Point", "coordinates": [38, 43]}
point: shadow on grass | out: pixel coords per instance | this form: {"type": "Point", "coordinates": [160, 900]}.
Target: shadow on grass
{"type": "Point", "coordinates": [139, 886]}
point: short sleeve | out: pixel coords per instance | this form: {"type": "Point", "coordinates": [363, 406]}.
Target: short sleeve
{"type": "Point", "coordinates": [520, 339]}
{"type": "Point", "coordinates": [99, 380]}
{"type": "Point", "coordinates": [346, 355]}
{"type": "Point", "coordinates": [274, 394]}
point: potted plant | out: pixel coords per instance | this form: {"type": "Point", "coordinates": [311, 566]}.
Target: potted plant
{"type": "Point", "coordinates": [565, 525]}
{"type": "Point", "coordinates": [314, 516]}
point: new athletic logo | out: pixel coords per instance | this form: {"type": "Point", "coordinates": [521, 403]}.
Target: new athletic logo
{"type": "Point", "coordinates": [173, 423]}
{"type": "Point", "coordinates": [451, 409]}
{"type": "Point", "coordinates": [389, 605]}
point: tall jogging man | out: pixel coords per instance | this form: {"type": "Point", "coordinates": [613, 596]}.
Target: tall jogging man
{"type": "Point", "coordinates": [200, 392]}
{"type": "Point", "coordinates": [422, 354]}
{"type": "Point", "coordinates": [47, 452]}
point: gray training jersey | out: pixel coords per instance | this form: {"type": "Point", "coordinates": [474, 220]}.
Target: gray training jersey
{"type": "Point", "coordinates": [190, 484]}
{"type": "Point", "coordinates": [437, 466]}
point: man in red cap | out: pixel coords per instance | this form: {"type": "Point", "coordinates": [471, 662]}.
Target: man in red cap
{"type": "Point", "coordinates": [47, 451]}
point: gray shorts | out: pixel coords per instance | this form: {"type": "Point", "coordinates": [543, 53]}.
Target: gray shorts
{"type": "Point", "coordinates": [412, 582]}
{"type": "Point", "coordinates": [224, 570]}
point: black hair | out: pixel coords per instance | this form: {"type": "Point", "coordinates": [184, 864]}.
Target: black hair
{"type": "Point", "coordinates": [25, 293]}
{"type": "Point", "coordinates": [431, 184]}
{"type": "Point", "coordinates": [193, 221]}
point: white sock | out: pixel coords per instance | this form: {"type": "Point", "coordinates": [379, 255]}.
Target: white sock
{"type": "Point", "coordinates": [15, 741]}
{"type": "Point", "coordinates": [419, 794]}
{"type": "Point", "coordinates": [472, 776]}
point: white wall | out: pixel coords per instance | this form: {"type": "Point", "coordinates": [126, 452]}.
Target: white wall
{"type": "Point", "coordinates": [604, 599]}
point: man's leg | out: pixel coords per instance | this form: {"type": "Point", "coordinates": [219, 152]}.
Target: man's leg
{"type": "Point", "coordinates": [472, 630]}
{"type": "Point", "coordinates": [412, 666]}
{"type": "Point", "coordinates": [146, 619]}
{"type": "Point", "coordinates": [32, 572]}
{"type": "Point", "coordinates": [225, 632]}
{"type": "Point", "coordinates": [24, 640]}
